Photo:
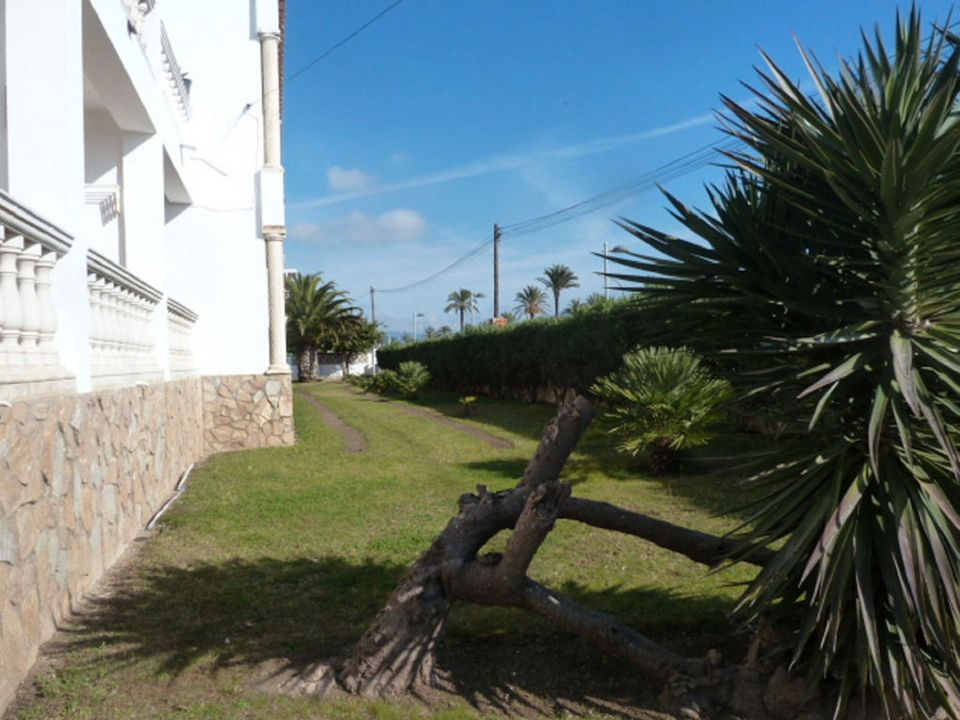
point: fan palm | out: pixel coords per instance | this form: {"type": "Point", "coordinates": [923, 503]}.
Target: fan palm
{"type": "Point", "coordinates": [831, 262]}
{"type": "Point", "coordinates": [660, 402]}
{"type": "Point", "coordinates": [558, 278]}
{"type": "Point", "coordinates": [530, 301]}
{"type": "Point", "coordinates": [463, 301]}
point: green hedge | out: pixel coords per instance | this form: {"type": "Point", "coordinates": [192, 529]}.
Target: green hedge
{"type": "Point", "coordinates": [520, 360]}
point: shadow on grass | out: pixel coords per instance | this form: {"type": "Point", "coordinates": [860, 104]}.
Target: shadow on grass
{"type": "Point", "coordinates": [510, 659]}
{"type": "Point", "coordinates": [245, 613]}
{"type": "Point", "coordinates": [515, 416]}
{"type": "Point", "coordinates": [237, 612]}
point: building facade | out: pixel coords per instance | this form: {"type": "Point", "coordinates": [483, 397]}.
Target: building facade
{"type": "Point", "coordinates": [141, 287]}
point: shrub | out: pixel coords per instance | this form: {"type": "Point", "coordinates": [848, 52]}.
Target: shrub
{"type": "Point", "coordinates": [409, 379]}
{"type": "Point", "coordinates": [521, 359]}
{"type": "Point", "coordinates": [660, 402]}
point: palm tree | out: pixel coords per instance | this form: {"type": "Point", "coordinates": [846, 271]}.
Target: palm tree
{"type": "Point", "coordinates": [463, 301]}
{"type": "Point", "coordinates": [558, 278]}
{"type": "Point", "coordinates": [530, 301]}
{"type": "Point", "coordinates": [829, 265]}
{"type": "Point", "coordinates": [314, 310]}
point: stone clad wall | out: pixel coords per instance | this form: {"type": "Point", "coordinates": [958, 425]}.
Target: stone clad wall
{"type": "Point", "coordinates": [80, 476]}
{"type": "Point", "coordinates": [247, 411]}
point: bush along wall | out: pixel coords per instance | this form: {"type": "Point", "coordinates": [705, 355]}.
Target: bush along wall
{"type": "Point", "coordinates": [528, 358]}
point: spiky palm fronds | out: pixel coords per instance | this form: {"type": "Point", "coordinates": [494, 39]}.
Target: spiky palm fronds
{"type": "Point", "coordinates": [661, 401]}
{"type": "Point", "coordinates": [558, 278]}
{"type": "Point", "coordinates": [463, 301]}
{"type": "Point", "coordinates": [530, 301]}
{"type": "Point", "coordinates": [831, 264]}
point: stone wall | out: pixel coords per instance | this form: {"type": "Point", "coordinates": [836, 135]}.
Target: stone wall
{"type": "Point", "coordinates": [80, 476]}
{"type": "Point", "coordinates": [247, 411]}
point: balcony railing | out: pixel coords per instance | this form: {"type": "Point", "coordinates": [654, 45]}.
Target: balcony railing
{"type": "Point", "coordinates": [179, 86]}
{"type": "Point", "coordinates": [122, 332]}
{"type": "Point", "coordinates": [29, 250]}
{"type": "Point", "coordinates": [180, 322]}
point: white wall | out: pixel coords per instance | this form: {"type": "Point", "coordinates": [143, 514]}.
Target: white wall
{"type": "Point", "coordinates": [44, 79]}
{"type": "Point", "coordinates": [188, 209]}
{"type": "Point", "coordinates": [220, 274]}
{"type": "Point", "coordinates": [102, 158]}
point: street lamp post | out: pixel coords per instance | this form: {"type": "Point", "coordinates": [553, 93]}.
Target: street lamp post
{"type": "Point", "coordinates": [415, 316]}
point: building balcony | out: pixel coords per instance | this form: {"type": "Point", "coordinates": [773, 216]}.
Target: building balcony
{"type": "Point", "coordinates": [30, 248]}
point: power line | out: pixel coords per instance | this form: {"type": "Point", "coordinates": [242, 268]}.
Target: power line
{"type": "Point", "coordinates": [683, 165]}
{"type": "Point", "coordinates": [336, 46]}
{"type": "Point", "coordinates": [456, 263]}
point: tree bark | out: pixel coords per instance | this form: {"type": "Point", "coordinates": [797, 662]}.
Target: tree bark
{"type": "Point", "coordinates": [397, 651]}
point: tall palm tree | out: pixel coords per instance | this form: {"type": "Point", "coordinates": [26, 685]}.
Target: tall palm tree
{"type": "Point", "coordinates": [558, 278]}
{"type": "Point", "coordinates": [314, 310]}
{"type": "Point", "coordinates": [463, 301]}
{"type": "Point", "coordinates": [530, 301]}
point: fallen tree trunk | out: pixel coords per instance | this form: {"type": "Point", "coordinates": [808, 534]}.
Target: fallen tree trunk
{"type": "Point", "coordinates": [397, 652]}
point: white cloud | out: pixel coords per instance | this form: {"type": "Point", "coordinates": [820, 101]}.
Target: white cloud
{"type": "Point", "coordinates": [342, 180]}
{"type": "Point", "coordinates": [305, 231]}
{"type": "Point", "coordinates": [396, 226]}
{"type": "Point", "coordinates": [505, 162]}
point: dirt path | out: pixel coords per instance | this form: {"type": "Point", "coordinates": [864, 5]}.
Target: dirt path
{"type": "Point", "coordinates": [489, 438]}
{"type": "Point", "coordinates": [353, 439]}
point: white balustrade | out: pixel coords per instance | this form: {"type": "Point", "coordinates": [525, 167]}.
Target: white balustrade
{"type": "Point", "coordinates": [30, 248]}
{"type": "Point", "coordinates": [180, 323]}
{"type": "Point", "coordinates": [179, 85]}
{"type": "Point", "coordinates": [122, 334]}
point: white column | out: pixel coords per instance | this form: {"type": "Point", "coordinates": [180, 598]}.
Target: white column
{"type": "Point", "coordinates": [275, 298]}
{"type": "Point", "coordinates": [270, 95]}
{"type": "Point", "coordinates": [274, 232]}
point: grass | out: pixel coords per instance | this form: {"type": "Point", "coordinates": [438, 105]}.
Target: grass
{"type": "Point", "coordinates": [287, 554]}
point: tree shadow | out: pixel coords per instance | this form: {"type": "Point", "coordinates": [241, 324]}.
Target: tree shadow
{"type": "Point", "coordinates": [236, 612]}
{"type": "Point", "coordinates": [520, 664]}
{"type": "Point", "coordinates": [244, 613]}
{"type": "Point", "coordinates": [514, 416]}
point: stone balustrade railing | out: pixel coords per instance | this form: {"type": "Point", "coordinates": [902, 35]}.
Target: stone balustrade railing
{"type": "Point", "coordinates": [180, 322]}
{"type": "Point", "coordinates": [122, 329]}
{"type": "Point", "coordinates": [179, 85]}
{"type": "Point", "coordinates": [30, 248]}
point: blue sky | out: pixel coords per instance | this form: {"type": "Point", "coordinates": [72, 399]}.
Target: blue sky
{"type": "Point", "coordinates": [407, 144]}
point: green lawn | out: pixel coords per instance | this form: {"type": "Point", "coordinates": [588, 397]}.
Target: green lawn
{"type": "Point", "coordinates": [286, 555]}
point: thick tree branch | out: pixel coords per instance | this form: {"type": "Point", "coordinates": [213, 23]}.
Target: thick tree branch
{"type": "Point", "coordinates": [607, 633]}
{"type": "Point", "coordinates": [698, 546]}
{"type": "Point", "coordinates": [559, 439]}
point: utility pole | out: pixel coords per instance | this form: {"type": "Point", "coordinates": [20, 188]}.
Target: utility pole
{"type": "Point", "coordinates": [373, 307]}
{"type": "Point", "coordinates": [496, 271]}
{"type": "Point", "coordinates": [606, 285]}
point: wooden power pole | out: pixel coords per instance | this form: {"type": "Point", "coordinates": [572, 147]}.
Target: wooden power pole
{"type": "Point", "coordinates": [496, 271]}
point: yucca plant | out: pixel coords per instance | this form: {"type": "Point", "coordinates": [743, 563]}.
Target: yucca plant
{"type": "Point", "coordinates": [662, 401]}
{"type": "Point", "coordinates": [830, 264]}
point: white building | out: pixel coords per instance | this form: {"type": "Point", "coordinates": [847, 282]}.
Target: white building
{"type": "Point", "coordinates": [141, 282]}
